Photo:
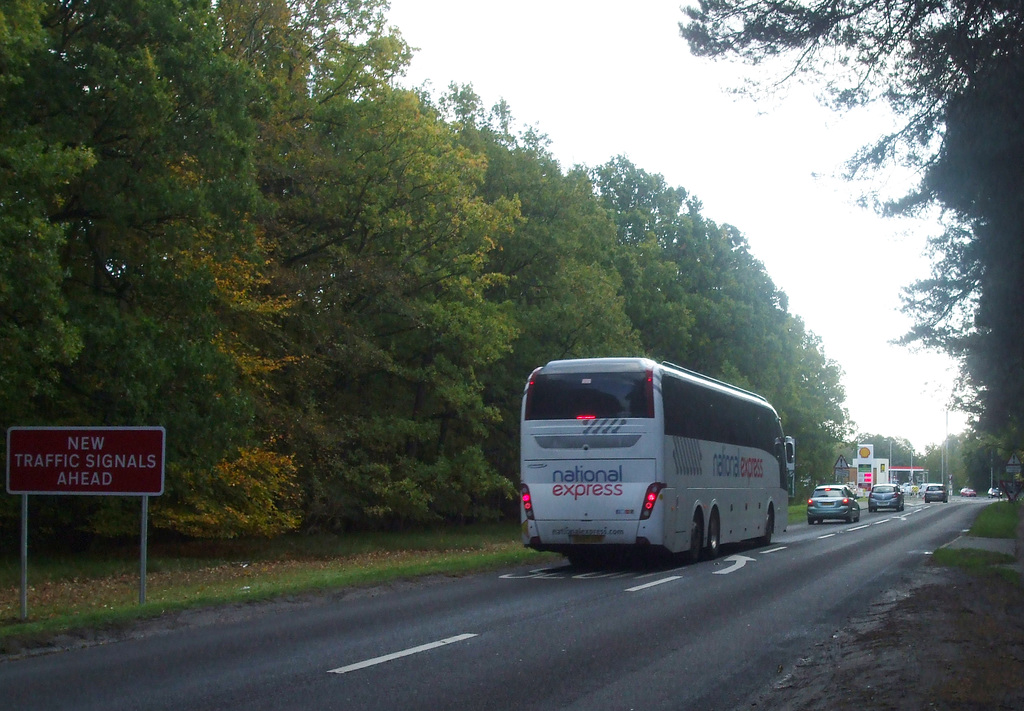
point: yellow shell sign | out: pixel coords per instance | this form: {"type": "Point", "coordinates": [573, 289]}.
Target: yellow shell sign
{"type": "Point", "coordinates": [865, 453]}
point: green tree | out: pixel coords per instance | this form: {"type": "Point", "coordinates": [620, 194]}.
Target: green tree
{"type": "Point", "coordinates": [145, 130]}
{"type": "Point", "coordinates": [699, 298]}
{"type": "Point", "coordinates": [972, 306]}
{"type": "Point", "coordinates": [984, 463]}
{"type": "Point", "coordinates": [954, 71]}
{"type": "Point", "coordinates": [379, 245]}
{"type": "Point", "coordinates": [693, 289]}
{"type": "Point", "coordinates": [810, 403]}
{"type": "Point", "coordinates": [558, 283]}
{"type": "Point", "coordinates": [330, 290]}
{"type": "Point", "coordinates": [660, 258]}
{"type": "Point", "coordinates": [943, 460]}
{"type": "Point", "coordinates": [36, 337]}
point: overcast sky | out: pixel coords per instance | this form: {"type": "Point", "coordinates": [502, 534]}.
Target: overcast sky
{"type": "Point", "coordinates": [603, 78]}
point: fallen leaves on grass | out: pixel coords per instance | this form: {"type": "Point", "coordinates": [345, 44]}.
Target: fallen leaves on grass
{"type": "Point", "coordinates": [76, 596]}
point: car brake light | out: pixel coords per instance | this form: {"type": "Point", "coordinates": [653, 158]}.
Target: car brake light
{"type": "Point", "coordinates": [650, 498]}
{"type": "Point", "coordinates": [810, 502]}
{"type": "Point", "coordinates": [586, 417]}
{"type": "Point", "coordinates": [524, 491]}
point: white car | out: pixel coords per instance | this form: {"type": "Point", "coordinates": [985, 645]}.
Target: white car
{"type": "Point", "coordinates": [995, 493]}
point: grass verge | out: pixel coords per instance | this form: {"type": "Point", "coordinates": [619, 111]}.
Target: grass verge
{"type": "Point", "coordinates": [101, 588]}
{"type": "Point", "coordinates": [798, 512]}
{"type": "Point", "coordinates": [977, 562]}
{"type": "Point", "coordinates": [998, 520]}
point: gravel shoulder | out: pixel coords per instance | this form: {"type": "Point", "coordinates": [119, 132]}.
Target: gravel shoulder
{"type": "Point", "coordinates": [959, 646]}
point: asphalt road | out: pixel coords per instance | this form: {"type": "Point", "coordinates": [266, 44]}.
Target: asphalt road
{"type": "Point", "coordinates": [704, 636]}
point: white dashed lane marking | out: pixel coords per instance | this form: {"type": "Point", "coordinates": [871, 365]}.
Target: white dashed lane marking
{"type": "Point", "coordinates": [398, 655]}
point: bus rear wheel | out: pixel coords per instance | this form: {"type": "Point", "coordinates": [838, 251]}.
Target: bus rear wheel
{"type": "Point", "coordinates": [714, 537]}
{"type": "Point", "coordinates": [769, 527]}
{"type": "Point", "coordinates": [696, 539]}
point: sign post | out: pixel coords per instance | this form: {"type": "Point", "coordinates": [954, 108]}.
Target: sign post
{"type": "Point", "coordinates": [24, 556]}
{"type": "Point", "coordinates": [85, 461]}
{"type": "Point", "coordinates": [143, 546]}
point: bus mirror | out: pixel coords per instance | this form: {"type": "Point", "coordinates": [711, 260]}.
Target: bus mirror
{"type": "Point", "coordinates": [790, 453]}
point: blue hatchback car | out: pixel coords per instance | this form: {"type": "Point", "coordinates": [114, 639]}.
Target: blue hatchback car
{"type": "Point", "coordinates": [833, 501]}
{"type": "Point", "coordinates": [885, 496]}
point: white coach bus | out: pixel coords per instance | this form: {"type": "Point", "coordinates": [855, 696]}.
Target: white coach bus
{"type": "Point", "coordinates": [626, 453]}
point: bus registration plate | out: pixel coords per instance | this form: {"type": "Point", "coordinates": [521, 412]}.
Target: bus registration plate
{"type": "Point", "coordinates": [586, 539]}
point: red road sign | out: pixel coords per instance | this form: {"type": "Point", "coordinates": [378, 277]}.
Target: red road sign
{"type": "Point", "coordinates": [110, 461]}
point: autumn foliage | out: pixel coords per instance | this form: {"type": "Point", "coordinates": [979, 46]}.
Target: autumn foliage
{"type": "Point", "coordinates": [230, 220]}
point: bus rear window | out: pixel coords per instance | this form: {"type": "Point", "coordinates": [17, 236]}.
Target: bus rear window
{"type": "Point", "coordinates": [585, 396]}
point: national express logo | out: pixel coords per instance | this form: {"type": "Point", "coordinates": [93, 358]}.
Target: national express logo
{"type": "Point", "coordinates": [742, 467]}
{"type": "Point", "coordinates": [581, 481]}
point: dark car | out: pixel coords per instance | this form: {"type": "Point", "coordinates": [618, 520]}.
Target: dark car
{"type": "Point", "coordinates": [885, 496]}
{"type": "Point", "coordinates": [833, 501]}
{"type": "Point", "coordinates": [935, 492]}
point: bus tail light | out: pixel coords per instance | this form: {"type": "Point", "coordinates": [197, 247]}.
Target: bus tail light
{"type": "Point", "coordinates": [649, 393]}
{"type": "Point", "coordinates": [524, 492]}
{"type": "Point", "coordinates": [528, 409]}
{"type": "Point", "coordinates": [650, 498]}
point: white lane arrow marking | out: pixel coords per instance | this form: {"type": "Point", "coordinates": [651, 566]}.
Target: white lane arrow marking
{"type": "Point", "coordinates": [738, 561]}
